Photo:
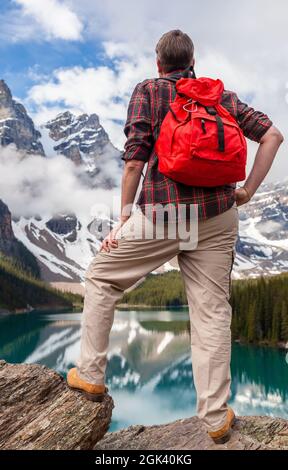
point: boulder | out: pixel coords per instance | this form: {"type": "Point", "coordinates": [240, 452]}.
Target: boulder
{"type": "Point", "coordinates": [38, 411]}
{"type": "Point", "coordinates": [249, 433]}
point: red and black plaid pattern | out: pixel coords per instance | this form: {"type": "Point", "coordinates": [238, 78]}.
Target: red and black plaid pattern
{"type": "Point", "coordinates": [148, 106]}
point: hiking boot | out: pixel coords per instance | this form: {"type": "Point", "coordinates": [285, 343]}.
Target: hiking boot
{"type": "Point", "coordinates": [222, 435]}
{"type": "Point", "coordinates": [91, 391]}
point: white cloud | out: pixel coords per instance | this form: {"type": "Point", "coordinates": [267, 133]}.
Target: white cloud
{"type": "Point", "coordinates": [54, 19]}
{"type": "Point", "coordinates": [240, 27]}
{"type": "Point", "coordinates": [34, 185]}
{"type": "Point", "coordinates": [101, 90]}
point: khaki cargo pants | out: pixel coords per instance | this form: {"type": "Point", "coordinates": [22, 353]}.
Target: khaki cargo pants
{"type": "Point", "coordinates": [206, 272]}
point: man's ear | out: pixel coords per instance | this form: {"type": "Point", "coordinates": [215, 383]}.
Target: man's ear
{"type": "Point", "coordinates": [193, 63]}
{"type": "Point", "coordinates": [159, 67]}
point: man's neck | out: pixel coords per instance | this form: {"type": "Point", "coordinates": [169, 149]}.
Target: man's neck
{"type": "Point", "coordinates": [166, 74]}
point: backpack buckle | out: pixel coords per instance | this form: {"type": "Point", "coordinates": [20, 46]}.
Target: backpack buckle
{"type": "Point", "coordinates": [193, 108]}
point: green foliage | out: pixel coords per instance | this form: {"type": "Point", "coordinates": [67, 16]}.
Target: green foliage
{"type": "Point", "coordinates": [24, 259]}
{"type": "Point", "coordinates": [19, 289]}
{"type": "Point", "coordinates": [260, 309]}
{"type": "Point", "coordinates": [164, 290]}
{"type": "Point", "coordinates": [260, 306]}
{"type": "Point", "coordinates": [27, 261]}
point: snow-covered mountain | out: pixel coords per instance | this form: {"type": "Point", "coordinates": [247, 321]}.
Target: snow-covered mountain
{"type": "Point", "coordinates": [16, 127]}
{"type": "Point", "coordinates": [81, 138]}
{"type": "Point", "coordinates": [84, 141]}
{"type": "Point", "coordinates": [262, 247]}
{"type": "Point", "coordinates": [65, 244]}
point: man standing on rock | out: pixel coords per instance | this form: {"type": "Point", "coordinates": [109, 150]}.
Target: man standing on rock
{"type": "Point", "coordinates": [223, 121]}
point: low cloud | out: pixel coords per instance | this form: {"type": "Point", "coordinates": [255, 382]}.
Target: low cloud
{"type": "Point", "coordinates": [47, 19]}
{"type": "Point", "coordinates": [34, 185]}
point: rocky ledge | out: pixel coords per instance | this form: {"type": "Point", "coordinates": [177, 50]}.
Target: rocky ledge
{"type": "Point", "coordinates": [39, 411]}
{"type": "Point", "coordinates": [249, 433]}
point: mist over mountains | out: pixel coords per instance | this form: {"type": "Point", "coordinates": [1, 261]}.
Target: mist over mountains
{"type": "Point", "coordinates": [61, 181]}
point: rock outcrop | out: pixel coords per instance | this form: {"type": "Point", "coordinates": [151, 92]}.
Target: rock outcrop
{"type": "Point", "coordinates": [38, 411]}
{"type": "Point", "coordinates": [16, 127]}
{"type": "Point", "coordinates": [249, 433]}
{"type": "Point", "coordinates": [66, 225]}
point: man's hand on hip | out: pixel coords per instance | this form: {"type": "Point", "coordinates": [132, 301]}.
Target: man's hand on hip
{"type": "Point", "coordinates": [242, 196]}
{"type": "Point", "coordinates": [110, 240]}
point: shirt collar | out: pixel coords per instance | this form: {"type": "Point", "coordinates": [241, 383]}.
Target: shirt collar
{"type": "Point", "coordinates": [175, 73]}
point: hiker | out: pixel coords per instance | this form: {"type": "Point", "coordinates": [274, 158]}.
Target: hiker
{"type": "Point", "coordinates": [218, 121]}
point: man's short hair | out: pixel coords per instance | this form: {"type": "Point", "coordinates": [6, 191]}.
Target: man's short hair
{"type": "Point", "coordinates": [175, 50]}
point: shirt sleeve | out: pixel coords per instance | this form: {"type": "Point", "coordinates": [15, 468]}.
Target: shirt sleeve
{"type": "Point", "coordinates": [138, 129]}
{"type": "Point", "coordinates": [254, 124]}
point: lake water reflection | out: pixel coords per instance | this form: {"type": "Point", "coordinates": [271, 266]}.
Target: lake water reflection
{"type": "Point", "coordinates": [149, 372]}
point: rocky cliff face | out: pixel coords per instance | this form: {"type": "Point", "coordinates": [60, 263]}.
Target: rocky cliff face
{"type": "Point", "coordinates": [11, 247]}
{"type": "Point", "coordinates": [84, 141]}
{"type": "Point", "coordinates": [7, 237]}
{"type": "Point", "coordinates": [65, 225]}
{"type": "Point", "coordinates": [16, 127]}
{"type": "Point", "coordinates": [38, 411]}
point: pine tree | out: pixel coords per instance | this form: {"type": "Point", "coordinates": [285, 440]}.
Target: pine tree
{"type": "Point", "coordinates": [284, 321]}
{"type": "Point", "coordinates": [276, 322]}
{"type": "Point", "coordinates": [251, 323]}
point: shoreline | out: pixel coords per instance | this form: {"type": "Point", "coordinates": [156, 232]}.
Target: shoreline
{"type": "Point", "coordinates": [150, 307]}
{"type": "Point", "coordinates": [122, 307]}
{"type": "Point", "coordinates": [46, 309]}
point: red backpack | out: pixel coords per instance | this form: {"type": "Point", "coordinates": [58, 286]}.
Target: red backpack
{"type": "Point", "coordinates": [200, 143]}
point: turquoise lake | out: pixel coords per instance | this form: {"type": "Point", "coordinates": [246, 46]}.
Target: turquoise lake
{"type": "Point", "coordinates": [149, 373]}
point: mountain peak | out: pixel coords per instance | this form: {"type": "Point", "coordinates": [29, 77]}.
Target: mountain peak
{"type": "Point", "coordinates": [82, 139]}
{"type": "Point", "coordinates": [16, 126]}
{"type": "Point", "coordinates": [68, 118]}
{"type": "Point", "coordinates": [5, 93]}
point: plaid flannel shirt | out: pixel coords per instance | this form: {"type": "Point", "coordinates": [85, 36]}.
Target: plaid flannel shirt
{"type": "Point", "coordinates": [148, 106]}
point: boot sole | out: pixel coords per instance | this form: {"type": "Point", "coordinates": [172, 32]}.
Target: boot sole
{"type": "Point", "coordinates": [96, 397]}
{"type": "Point", "coordinates": [225, 437]}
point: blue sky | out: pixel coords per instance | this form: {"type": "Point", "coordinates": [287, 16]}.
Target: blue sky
{"type": "Point", "coordinates": [87, 56]}
{"type": "Point", "coordinates": [18, 61]}
{"type": "Point", "coordinates": [21, 59]}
